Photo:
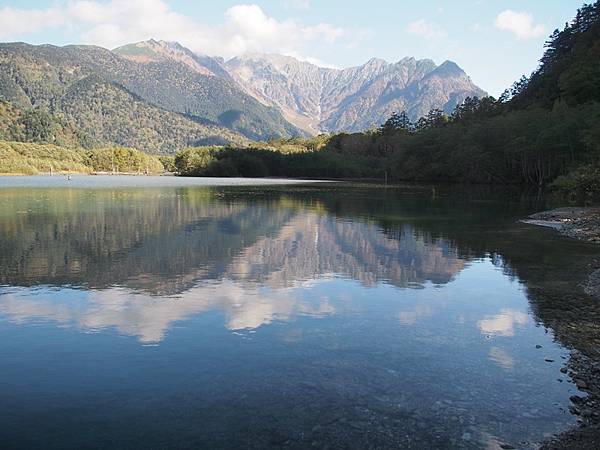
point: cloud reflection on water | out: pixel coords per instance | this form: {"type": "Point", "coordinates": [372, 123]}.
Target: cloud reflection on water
{"type": "Point", "coordinates": [149, 317]}
{"type": "Point", "coordinates": [503, 324]}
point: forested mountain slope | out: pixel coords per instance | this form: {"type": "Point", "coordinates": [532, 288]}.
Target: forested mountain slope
{"type": "Point", "coordinates": [40, 76]}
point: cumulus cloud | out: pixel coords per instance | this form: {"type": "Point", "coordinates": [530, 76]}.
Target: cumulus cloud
{"type": "Point", "coordinates": [246, 27]}
{"type": "Point", "coordinates": [426, 29]}
{"type": "Point", "coordinates": [15, 22]}
{"type": "Point", "coordinates": [520, 23]}
{"type": "Point", "coordinates": [411, 316]}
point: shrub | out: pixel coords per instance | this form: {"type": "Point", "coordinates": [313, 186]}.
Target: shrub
{"type": "Point", "coordinates": [194, 161]}
{"type": "Point", "coordinates": [583, 184]}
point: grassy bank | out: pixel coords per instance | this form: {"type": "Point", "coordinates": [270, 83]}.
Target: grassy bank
{"type": "Point", "coordinates": [25, 158]}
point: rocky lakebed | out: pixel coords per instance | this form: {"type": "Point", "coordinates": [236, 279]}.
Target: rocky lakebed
{"type": "Point", "coordinates": [583, 366]}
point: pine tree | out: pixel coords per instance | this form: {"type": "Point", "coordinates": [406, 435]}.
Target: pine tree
{"type": "Point", "coordinates": [398, 122]}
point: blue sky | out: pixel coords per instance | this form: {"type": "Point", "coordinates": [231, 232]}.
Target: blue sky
{"type": "Point", "coordinates": [494, 41]}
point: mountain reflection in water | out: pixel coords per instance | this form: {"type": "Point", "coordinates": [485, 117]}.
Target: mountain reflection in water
{"type": "Point", "coordinates": [153, 261]}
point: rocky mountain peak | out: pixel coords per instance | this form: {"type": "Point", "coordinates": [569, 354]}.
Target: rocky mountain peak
{"type": "Point", "coordinates": [154, 50]}
{"type": "Point", "coordinates": [449, 68]}
{"type": "Point", "coordinates": [319, 99]}
{"type": "Point", "coordinates": [375, 62]}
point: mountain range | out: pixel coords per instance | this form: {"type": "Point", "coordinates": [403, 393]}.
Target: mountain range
{"type": "Point", "coordinates": [160, 96]}
{"type": "Point", "coordinates": [319, 99]}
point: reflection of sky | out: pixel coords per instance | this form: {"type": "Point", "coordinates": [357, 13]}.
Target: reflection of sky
{"type": "Point", "coordinates": [481, 298]}
{"type": "Point", "coordinates": [468, 345]}
{"type": "Point", "coordinates": [150, 317]}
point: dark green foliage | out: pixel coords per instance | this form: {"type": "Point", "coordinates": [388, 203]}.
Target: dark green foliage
{"type": "Point", "coordinates": [96, 113]}
{"type": "Point", "coordinates": [195, 161]}
{"type": "Point", "coordinates": [222, 168]}
{"type": "Point", "coordinates": [570, 67]}
{"type": "Point", "coordinates": [168, 163]}
{"type": "Point", "coordinates": [435, 118]}
{"type": "Point", "coordinates": [531, 146]}
{"type": "Point", "coordinates": [257, 162]}
{"type": "Point", "coordinates": [397, 123]}
{"type": "Point", "coordinates": [37, 125]}
{"type": "Point", "coordinates": [110, 114]}
{"type": "Point", "coordinates": [251, 166]}
{"type": "Point", "coordinates": [582, 185]}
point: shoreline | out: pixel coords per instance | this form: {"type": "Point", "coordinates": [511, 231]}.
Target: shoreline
{"type": "Point", "coordinates": [574, 222]}
{"type": "Point", "coordinates": [583, 366]}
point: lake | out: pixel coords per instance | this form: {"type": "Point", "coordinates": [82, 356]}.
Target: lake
{"type": "Point", "coordinates": [179, 313]}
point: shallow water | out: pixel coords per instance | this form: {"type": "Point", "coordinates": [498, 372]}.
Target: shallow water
{"type": "Point", "coordinates": [142, 312]}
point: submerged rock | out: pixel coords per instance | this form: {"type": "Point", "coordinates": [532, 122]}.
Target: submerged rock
{"type": "Point", "coordinates": [592, 287]}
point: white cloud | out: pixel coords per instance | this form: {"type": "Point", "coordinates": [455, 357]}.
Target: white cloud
{"type": "Point", "coordinates": [520, 23]}
{"type": "Point", "coordinates": [297, 4]}
{"type": "Point", "coordinates": [426, 29]}
{"type": "Point", "coordinates": [14, 22]}
{"type": "Point", "coordinates": [411, 316]}
{"type": "Point", "coordinates": [246, 27]}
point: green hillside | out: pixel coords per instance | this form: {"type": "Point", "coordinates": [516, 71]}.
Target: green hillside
{"type": "Point", "coordinates": [37, 125]}
{"type": "Point", "coordinates": [110, 114]}
{"type": "Point", "coordinates": [41, 76]}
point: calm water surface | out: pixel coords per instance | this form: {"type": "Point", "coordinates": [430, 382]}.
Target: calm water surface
{"type": "Point", "coordinates": [172, 313]}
